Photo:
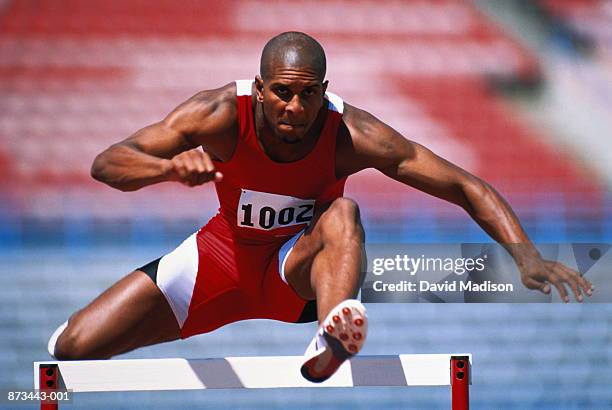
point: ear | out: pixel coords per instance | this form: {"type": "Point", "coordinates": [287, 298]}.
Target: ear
{"type": "Point", "coordinates": [324, 86]}
{"type": "Point", "coordinates": [259, 88]}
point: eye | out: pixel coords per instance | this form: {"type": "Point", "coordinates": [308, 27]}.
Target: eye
{"type": "Point", "coordinates": [309, 92]}
{"type": "Point", "coordinates": [282, 91]}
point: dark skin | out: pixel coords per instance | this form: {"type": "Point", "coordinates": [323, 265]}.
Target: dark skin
{"type": "Point", "coordinates": [326, 261]}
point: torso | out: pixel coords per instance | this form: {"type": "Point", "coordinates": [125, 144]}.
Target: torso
{"type": "Point", "coordinates": [262, 198]}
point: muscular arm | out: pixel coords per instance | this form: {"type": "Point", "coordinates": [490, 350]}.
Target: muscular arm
{"type": "Point", "coordinates": [152, 154]}
{"type": "Point", "coordinates": [374, 144]}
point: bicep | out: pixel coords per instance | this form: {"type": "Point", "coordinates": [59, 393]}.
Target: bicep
{"type": "Point", "coordinates": [379, 146]}
{"type": "Point", "coordinates": [196, 122]}
{"type": "Point", "coordinates": [420, 168]}
{"type": "Point", "coordinates": [160, 140]}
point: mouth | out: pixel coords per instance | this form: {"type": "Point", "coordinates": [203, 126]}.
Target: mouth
{"type": "Point", "coordinates": [289, 125]}
{"type": "Point", "coordinates": [290, 133]}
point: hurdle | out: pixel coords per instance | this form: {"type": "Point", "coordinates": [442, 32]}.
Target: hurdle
{"type": "Point", "coordinates": [265, 372]}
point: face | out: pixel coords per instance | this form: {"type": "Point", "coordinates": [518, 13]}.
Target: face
{"type": "Point", "coordinates": [292, 98]}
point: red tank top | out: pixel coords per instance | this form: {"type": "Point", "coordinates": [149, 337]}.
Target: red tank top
{"type": "Point", "coordinates": [261, 199]}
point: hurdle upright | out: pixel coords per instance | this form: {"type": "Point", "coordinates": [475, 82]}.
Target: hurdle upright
{"type": "Point", "coordinates": [404, 370]}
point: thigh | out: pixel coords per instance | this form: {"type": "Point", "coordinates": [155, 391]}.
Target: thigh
{"type": "Point", "coordinates": [130, 314]}
{"type": "Point", "coordinates": [299, 261]}
{"type": "Point", "coordinates": [333, 227]}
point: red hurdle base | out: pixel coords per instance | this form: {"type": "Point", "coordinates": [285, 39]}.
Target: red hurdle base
{"type": "Point", "coordinates": [460, 382]}
{"type": "Point", "coordinates": [48, 376]}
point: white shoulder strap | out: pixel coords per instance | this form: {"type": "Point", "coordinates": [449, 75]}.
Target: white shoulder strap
{"type": "Point", "coordinates": [243, 87]}
{"type": "Point", "coordinates": [335, 102]}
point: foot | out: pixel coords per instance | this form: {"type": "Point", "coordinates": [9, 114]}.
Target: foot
{"type": "Point", "coordinates": [340, 337]}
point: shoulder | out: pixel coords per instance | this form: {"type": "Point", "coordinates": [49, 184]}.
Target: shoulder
{"type": "Point", "coordinates": [359, 121]}
{"type": "Point", "coordinates": [221, 97]}
{"type": "Point", "coordinates": [208, 111]}
{"type": "Point", "coordinates": [367, 131]}
{"type": "Point", "coordinates": [367, 142]}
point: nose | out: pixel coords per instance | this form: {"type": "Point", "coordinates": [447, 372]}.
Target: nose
{"type": "Point", "coordinates": [294, 106]}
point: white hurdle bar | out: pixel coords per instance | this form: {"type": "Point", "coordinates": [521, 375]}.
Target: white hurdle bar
{"type": "Point", "coordinates": [253, 373]}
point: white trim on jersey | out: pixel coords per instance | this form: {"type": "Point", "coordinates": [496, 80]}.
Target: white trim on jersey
{"type": "Point", "coordinates": [244, 87]}
{"type": "Point", "coordinates": [176, 276]}
{"type": "Point", "coordinates": [335, 102]}
{"type": "Point", "coordinates": [284, 252]}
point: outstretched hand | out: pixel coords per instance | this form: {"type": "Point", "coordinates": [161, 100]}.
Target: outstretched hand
{"type": "Point", "coordinates": [192, 168]}
{"type": "Point", "coordinates": [539, 274]}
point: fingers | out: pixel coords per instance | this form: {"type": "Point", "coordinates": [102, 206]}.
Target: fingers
{"type": "Point", "coordinates": [561, 289]}
{"type": "Point", "coordinates": [532, 283]}
{"type": "Point", "coordinates": [582, 282]}
{"type": "Point", "coordinates": [194, 168]}
{"type": "Point", "coordinates": [560, 276]}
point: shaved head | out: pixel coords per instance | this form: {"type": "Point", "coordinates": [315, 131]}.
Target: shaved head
{"type": "Point", "coordinates": [293, 49]}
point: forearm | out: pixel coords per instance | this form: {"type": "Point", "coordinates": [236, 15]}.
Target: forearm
{"type": "Point", "coordinates": [127, 169]}
{"type": "Point", "coordinates": [489, 209]}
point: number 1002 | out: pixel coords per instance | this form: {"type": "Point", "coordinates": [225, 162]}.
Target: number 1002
{"type": "Point", "coordinates": [268, 217]}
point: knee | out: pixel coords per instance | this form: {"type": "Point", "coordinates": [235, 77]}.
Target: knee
{"type": "Point", "coordinates": [342, 221]}
{"type": "Point", "coordinates": [71, 344]}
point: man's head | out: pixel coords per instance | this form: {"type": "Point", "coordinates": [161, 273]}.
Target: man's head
{"type": "Point", "coordinates": [291, 84]}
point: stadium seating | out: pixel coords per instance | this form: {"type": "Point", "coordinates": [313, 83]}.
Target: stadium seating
{"type": "Point", "coordinates": [79, 75]}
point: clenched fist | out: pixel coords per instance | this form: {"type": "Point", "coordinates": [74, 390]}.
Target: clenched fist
{"type": "Point", "coordinates": [192, 168]}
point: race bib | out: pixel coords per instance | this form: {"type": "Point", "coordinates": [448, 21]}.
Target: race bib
{"type": "Point", "coordinates": [261, 210]}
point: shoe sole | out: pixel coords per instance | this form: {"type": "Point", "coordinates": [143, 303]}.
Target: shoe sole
{"type": "Point", "coordinates": [345, 331]}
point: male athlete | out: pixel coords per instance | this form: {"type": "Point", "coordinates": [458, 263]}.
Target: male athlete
{"type": "Point", "coordinates": [286, 244]}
